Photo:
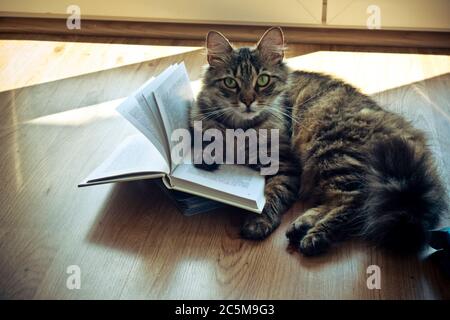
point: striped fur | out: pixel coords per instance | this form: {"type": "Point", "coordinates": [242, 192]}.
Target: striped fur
{"type": "Point", "coordinates": [367, 171]}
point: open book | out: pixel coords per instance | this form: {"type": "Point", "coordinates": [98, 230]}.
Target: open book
{"type": "Point", "coordinates": [156, 109]}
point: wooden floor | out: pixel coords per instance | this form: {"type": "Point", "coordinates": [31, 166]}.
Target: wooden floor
{"type": "Point", "coordinates": [57, 123]}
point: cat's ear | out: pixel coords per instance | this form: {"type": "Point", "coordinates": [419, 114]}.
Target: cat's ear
{"type": "Point", "coordinates": [271, 45]}
{"type": "Point", "coordinates": [218, 48]}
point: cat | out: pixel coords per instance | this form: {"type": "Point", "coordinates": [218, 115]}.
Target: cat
{"type": "Point", "coordinates": [366, 172]}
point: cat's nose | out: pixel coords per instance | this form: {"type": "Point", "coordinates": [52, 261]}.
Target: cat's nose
{"type": "Point", "coordinates": [248, 99]}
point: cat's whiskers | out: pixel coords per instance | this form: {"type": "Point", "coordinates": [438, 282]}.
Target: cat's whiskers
{"type": "Point", "coordinates": [280, 114]}
{"type": "Point", "coordinates": [211, 114]}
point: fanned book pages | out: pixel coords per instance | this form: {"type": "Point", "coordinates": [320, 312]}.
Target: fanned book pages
{"type": "Point", "coordinates": [156, 109]}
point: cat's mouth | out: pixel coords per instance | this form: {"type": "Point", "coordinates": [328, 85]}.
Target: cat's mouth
{"type": "Point", "coordinates": [248, 114]}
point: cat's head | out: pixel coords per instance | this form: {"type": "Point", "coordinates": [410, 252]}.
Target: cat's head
{"type": "Point", "coordinates": [244, 82]}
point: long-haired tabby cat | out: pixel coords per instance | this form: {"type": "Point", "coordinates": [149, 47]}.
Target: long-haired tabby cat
{"type": "Point", "coordinates": [367, 171]}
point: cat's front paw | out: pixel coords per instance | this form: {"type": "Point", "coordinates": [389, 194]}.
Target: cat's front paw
{"type": "Point", "coordinates": [258, 228]}
{"type": "Point", "coordinates": [298, 229]}
{"type": "Point", "coordinates": [207, 167]}
{"type": "Point", "coordinates": [314, 244]}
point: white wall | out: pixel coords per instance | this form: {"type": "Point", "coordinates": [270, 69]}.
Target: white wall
{"type": "Point", "coordinates": [286, 12]}
{"type": "Point", "coordinates": [395, 14]}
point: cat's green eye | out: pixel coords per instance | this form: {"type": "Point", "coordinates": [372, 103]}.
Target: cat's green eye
{"type": "Point", "coordinates": [263, 80]}
{"type": "Point", "coordinates": [230, 83]}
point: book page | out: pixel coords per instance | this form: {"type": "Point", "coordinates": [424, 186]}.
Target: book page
{"type": "Point", "coordinates": [135, 156]}
{"type": "Point", "coordinates": [140, 117]}
{"type": "Point", "coordinates": [174, 97]}
{"type": "Point", "coordinates": [146, 98]}
{"type": "Point", "coordinates": [236, 180]}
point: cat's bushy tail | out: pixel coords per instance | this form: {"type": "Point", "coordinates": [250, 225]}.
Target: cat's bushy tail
{"type": "Point", "coordinates": [404, 196]}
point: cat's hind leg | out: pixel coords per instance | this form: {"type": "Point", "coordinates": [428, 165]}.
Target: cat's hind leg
{"type": "Point", "coordinates": [303, 223]}
{"type": "Point", "coordinates": [331, 227]}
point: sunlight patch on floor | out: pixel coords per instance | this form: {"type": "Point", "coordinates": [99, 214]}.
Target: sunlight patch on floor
{"type": "Point", "coordinates": [26, 62]}
{"type": "Point", "coordinates": [362, 69]}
